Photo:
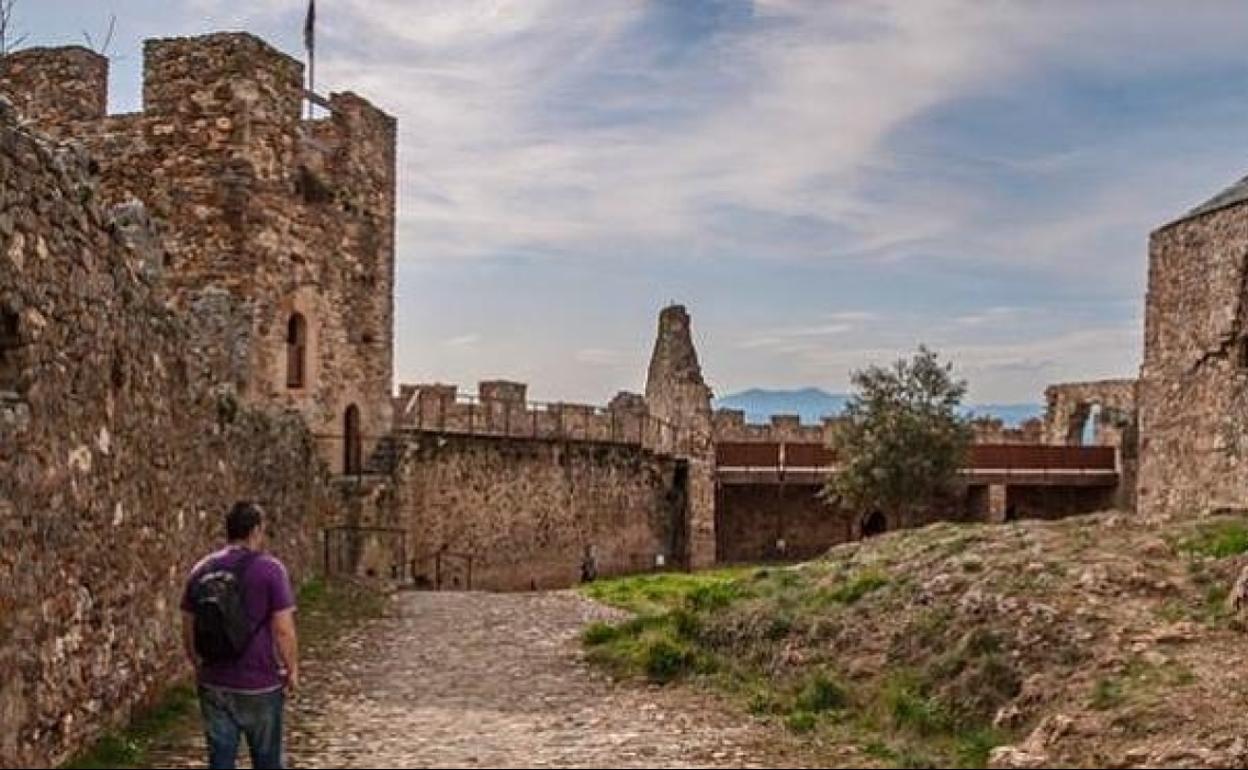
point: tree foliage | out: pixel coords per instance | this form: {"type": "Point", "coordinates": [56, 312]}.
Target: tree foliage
{"type": "Point", "coordinates": [902, 440]}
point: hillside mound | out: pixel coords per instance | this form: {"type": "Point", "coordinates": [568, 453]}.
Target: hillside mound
{"type": "Point", "coordinates": [1097, 641]}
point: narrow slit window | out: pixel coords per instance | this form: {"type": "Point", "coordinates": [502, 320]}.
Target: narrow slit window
{"type": "Point", "coordinates": [296, 352]}
{"type": "Point", "coordinates": [10, 347]}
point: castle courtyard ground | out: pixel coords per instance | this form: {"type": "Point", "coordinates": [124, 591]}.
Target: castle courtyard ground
{"type": "Point", "coordinates": [497, 680]}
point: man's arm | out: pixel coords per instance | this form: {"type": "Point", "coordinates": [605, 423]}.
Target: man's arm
{"type": "Point", "coordinates": [287, 640]}
{"type": "Point", "coordinates": [188, 638]}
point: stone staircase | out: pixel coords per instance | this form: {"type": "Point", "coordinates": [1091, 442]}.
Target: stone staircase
{"type": "Point", "coordinates": [384, 459]}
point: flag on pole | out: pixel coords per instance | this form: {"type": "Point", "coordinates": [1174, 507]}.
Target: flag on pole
{"type": "Point", "coordinates": [309, 42]}
{"type": "Point", "coordinates": [309, 28]}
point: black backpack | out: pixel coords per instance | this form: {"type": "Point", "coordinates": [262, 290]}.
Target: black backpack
{"type": "Point", "coordinates": [218, 599]}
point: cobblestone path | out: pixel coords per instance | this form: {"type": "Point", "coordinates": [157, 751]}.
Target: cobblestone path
{"type": "Point", "coordinates": [497, 680]}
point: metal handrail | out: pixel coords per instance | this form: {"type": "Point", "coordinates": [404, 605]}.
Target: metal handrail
{"type": "Point", "coordinates": [397, 567]}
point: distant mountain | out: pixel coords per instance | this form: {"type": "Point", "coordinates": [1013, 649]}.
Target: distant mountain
{"type": "Point", "coordinates": [759, 404]}
{"type": "Point", "coordinates": [813, 404]}
{"type": "Point", "coordinates": [1010, 414]}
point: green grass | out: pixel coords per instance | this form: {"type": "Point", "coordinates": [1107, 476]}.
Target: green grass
{"type": "Point", "coordinates": [1217, 541]}
{"type": "Point", "coordinates": [733, 629]}
{"type": "Point", "coordinates": [801, 721]}
{"type": "Point", "coordinates": [128, 747]}
{"type": "Point", "coordinates": [650, 594]}
{"type": "Point", "coordinates": [1139, 682]}
{"type": "Point", "coordinates": [859, 586]}
{"type": "Point", "coordinates": [1107, 693]}
{"type": "Point", "coordinates": [820, 694]}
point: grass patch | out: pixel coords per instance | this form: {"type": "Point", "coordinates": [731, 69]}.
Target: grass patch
{"type": "Point", "coordinates": [129, 747]}
{"type": "Point", "coordinates": [1217, 541]}
{"type": "Point", "coordinates": [1107, 693]}
{"type": "Point", "coordinates": [654, 594]}
{"type": "Point", "coordinates": [801, 721]}
{"type": "Point", "coordinates": [599, 633]}
{"type": "Point", "coordinates": [740, 630]}
{"type": "Point", "coordinates": [909, 708]}
{"type": "Point", "coordinates": [854, 589]}
{"type": "Point", "coordinates": [820, 694]}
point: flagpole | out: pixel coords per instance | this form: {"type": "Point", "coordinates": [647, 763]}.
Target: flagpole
{"type": "Point", "coordinates": [309, 42]}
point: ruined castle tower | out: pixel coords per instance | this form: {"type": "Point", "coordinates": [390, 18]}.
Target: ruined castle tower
{"type": "Point", "coordinates": [676, 393]}
{"type": "Point", "coordinates": [279, 231]}
{"type": "Point", "coordinates": [1193, 389]}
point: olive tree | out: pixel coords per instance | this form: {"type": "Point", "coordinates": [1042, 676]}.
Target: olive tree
{"type": "Point", "coordinates": [902, 439]}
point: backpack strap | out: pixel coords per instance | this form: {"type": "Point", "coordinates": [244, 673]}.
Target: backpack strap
{"type": "Point", "coordinates": [239, 572]}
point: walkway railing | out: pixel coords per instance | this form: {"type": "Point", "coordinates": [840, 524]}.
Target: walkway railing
{"type": "Point", "coordinates": [983, 459]}
{"type": "Point", "coordinates": [344, 549]}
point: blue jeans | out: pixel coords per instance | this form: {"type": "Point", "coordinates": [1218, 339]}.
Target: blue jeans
{"type": "Point", "coordinates": [227, 715]}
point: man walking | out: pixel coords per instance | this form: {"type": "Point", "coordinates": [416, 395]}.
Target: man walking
{"type": "Point", "coordinates": [238, 629]}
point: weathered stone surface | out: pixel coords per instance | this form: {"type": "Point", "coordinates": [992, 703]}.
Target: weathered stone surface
{"type": "Point", "coordinates": [1070, 406]}
{"type": "Point", "coordinates": [120, 448]}
{"type": "Point", "coordinates": [1193, 391]}
{"type": "Point", "coordinates": [677, 394]}
{"type": "Point", "coordinates": [287, 216]}
{"type": "Point", "coordinates": [525, 511]}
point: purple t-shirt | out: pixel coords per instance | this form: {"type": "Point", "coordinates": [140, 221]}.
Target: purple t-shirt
{"type": "Point", "coordinates": [268, 591]}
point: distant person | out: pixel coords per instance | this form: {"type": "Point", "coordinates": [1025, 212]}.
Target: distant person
{"type": "Point", "coordinates": [589, 565]}
{"type": "Point", "coordinates": [238, 629]}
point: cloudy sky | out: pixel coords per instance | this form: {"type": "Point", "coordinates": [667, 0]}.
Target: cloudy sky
{"type": "Point", "coordinates": [825, 184]}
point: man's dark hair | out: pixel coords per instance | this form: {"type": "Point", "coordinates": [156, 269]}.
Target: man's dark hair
{"type": "Point", "coordinates": [242, 520]}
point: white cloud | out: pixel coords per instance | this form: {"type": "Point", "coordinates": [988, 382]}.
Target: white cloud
{"type": "Point", "coordinates": [462, 341]}
{"type": "Point", "coordinates": [556, 130]}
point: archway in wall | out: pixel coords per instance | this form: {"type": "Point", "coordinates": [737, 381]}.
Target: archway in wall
{"type": "Point", "coordinates": [352, 441]}
{"type": "Point", "coordinates": [1076, 425]}
{"type": "Point", "coordinates": [1092, 426]}
{"type": "Point", "coordinates": [296, 351]}
{"type": "Point", "coordinates": [874, 524]}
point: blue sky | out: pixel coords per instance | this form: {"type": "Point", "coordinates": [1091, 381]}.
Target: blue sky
{"type": "Point", "coordinates": [824, 184]}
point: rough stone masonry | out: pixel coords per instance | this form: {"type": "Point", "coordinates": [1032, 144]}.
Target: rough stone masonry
{"type": "Point", "coordinates": [284, 224]}
{"type": "Point", "coordinates": [120, 446]}
{"type": "Point", "coordinates": [1193, 390]}
{"type": "Point", "coordinates": [195, 306]}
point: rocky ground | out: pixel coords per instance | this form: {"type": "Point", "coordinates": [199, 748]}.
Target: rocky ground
{"type": "Point", "coordinates": [1098, 641]}
{"type": "Point", "coordinates": [490, 680]}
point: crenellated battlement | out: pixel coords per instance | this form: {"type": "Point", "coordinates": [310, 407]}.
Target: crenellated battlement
{"type": "Point", "coordinates": [56, 87]}
{"type": "Point", "coordinates": [730, 425]}
{"type": "Point", "coordinates": [294, 218]}
{"type": "Point", "coordinates": [499, 408]}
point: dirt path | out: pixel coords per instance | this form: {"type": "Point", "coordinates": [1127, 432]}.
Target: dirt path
{"type": "Point", "coordinates": [488, 680]}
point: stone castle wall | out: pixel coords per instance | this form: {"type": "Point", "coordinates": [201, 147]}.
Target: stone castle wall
{"type": "Point", "coordinates": [120, 450]}
{"type": "Point", "coordinates": [499, 409]}
{"type": "Point", "coordinates": [525, 510]}
{"type": "Point", "coordinates": [286, 215]}
{"type": "Point", "coordinates": [991, 430]}
{"type": "Point", "coordinates": [730, 425]}
{"type": "Point", "coordinates": [1070, 405]}
{"type": "Point", "coordinates": [1193, 391]}
{"type": "Point", "coordinates": [775, 522]}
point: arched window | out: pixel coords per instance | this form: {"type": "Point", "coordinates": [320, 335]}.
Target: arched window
{"type": "Point", "coordinates": [10, 343]}
{"type": "Point", "coordinates": [296, 351]}
{"type": "Point", "coordinates": [352, 442]}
